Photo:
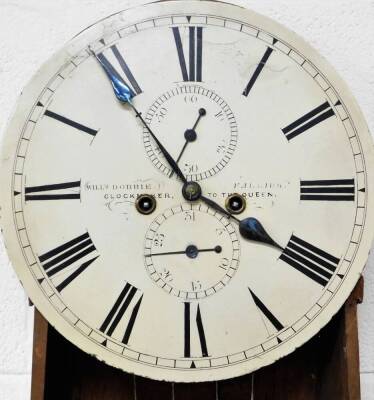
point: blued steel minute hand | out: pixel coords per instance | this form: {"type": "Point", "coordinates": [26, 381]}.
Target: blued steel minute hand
{"type": "Point", "coordinates": [125, 95]}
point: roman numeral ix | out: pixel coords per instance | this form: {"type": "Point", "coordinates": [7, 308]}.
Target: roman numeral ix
{"type": "Point", "coordinates": [131, 81]}
{"type": "Point", "coordinates": [58, 191]}
{"type": "Point", "coordinates": [311, 261]}
{"type": "Point", "coordinates": [259, 69]}
{"type": "Point", "coordinates": [191, 71]}
{"type": "Point", "coordinates": [308, 121]}
{"type": "Point", "coordinates": [66, 255]}
{"type": "Point", "coordinates": [328, 190]}
{"type": "Point", "coordinates": [188, 324]}
{"type": "Point", "coordinates": [126, 299]}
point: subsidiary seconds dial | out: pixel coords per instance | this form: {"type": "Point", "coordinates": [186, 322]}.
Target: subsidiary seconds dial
{"type": "Point", "coordinates": [199, 128]}
{"type": "Point", "coordinates": [191, 251]}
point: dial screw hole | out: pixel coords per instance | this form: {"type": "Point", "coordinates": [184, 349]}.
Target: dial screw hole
{"type": "Point", "coordinates": [235, 204]}
{"type": "Point", "coordinates": [145, 204]}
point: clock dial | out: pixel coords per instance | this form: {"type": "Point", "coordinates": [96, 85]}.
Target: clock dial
{"type": "Point", "coordinates": [186, 261]}
{"type": "Point", "coordinates": [164, 282]}
{"type": "Point", "coordinates": [209, 128]}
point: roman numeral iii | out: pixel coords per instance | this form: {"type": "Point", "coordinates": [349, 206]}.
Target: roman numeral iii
{"type": "Point", "coordinates": [191, 69]}
{"type": "Point", "coordinates": [308, 121]}
{"type": "Point", "coordinates": [69, 254]}
{"type": "Point", "coordinates": [311, 261]}
{"type": "Point", "coordinates": [56, 191]}
{"type": "Point", "coordinates": [194, 322]}
{"type": "Point", "coordinates": [129, 299]}
{"type": "Point", "coordinates": [328, 190]}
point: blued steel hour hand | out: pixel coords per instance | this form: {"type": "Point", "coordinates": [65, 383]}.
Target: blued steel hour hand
{"type": "Point", "coordinates": [249, 228]}
{"type": "Point", "coordinates": [125, 95]}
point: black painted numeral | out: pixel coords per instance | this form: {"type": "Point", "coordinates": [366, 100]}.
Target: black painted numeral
{"type": "Point", "coordinates": [266, 312]}
{"type": "Point", "coordinates": [259, 69]}
{"type": "Point", "coordinates": [70, 122]}
{"type": "Point", "coordinates": [67, 255]}
{"type": "Point", "coordinates": [188, 324]}
{"type": "Point", "coordinates": [313, 262]}
{"type": "Point", "coordinates": [309, 120]}
{"type": "Point", "coordinates": [328, 190]}
{"type": "Point", "coordinates": [193, 70]}
{"type": "Point", "coordinates": [57, 191]}
{"type": "Point", "coordinates": [130, 296]}
{"type": "Point", "coordinates": [131, 81]}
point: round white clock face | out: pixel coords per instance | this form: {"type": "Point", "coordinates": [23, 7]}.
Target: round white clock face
{"type": "Point", "coordinates": [243, 106]}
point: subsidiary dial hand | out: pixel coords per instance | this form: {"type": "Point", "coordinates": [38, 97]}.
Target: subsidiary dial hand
{"type": "Point", "coordinates": [174, 166]}
{"type": "Point", "coordinates": [249, 228]}
{"type": "Point", "coordinates": [190, 135]}
{"type": "Point", "coordinates": [124, 94]}
{"type": "Point", "coordinates": [191, 252]}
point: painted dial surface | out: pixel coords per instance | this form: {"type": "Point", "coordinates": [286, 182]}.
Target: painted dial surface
{"type": "Point", "coordinates": [280, 129]}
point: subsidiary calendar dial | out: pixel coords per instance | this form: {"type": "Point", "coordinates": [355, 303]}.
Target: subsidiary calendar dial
{"type": "Point", "coordinates": [185, 263]}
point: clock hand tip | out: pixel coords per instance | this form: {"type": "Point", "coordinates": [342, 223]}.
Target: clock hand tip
{"type": "Point", "coordinates": [121, 90]}
{"type": "Point", "coordinates": [252, 229]}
